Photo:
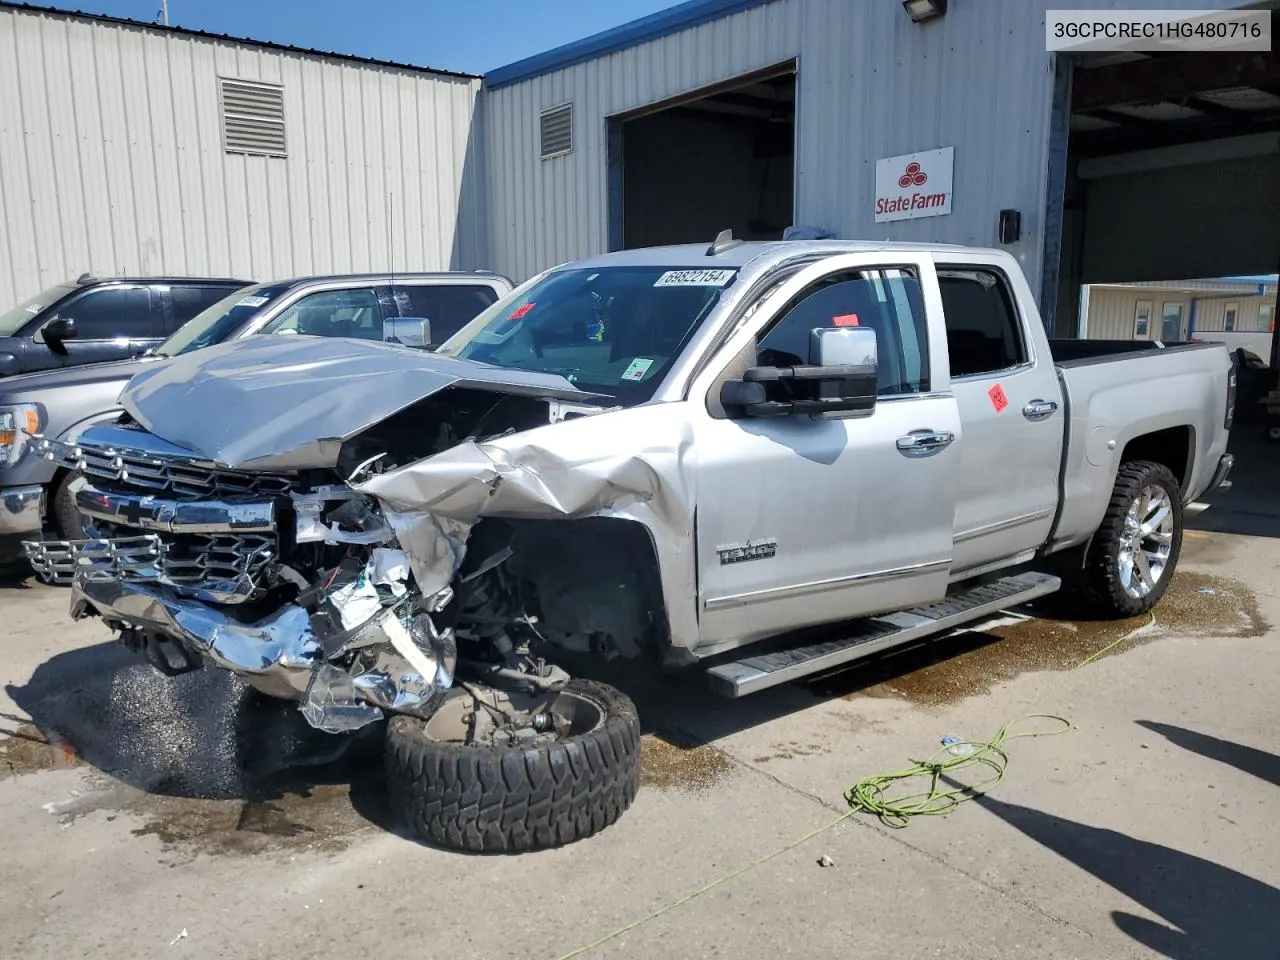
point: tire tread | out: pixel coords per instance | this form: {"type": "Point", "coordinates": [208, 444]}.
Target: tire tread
{"type": "Point", "coordinates": [516, 799]}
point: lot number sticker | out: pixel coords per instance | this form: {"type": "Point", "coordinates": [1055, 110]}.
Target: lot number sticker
{"type": "Point", "coordinates": [694, 278]}
{"type": "Point", "coordinates": [998, 399]}
{"type": "Point", "coordinates": [637, 369]}
{"type": "Point", "coordinates": [251, 301]}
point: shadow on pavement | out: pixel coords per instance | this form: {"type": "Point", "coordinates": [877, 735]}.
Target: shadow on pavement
{"type": "Point", "coordinates": [1251, 506]}
{"type": "Point", "coordinates": [1263, 765]}
{"type": "Point", "coordinates": [1211, 911]}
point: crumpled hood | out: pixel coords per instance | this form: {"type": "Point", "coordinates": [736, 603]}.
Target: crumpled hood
{"type": "Point", "coordinates": [289, 402]}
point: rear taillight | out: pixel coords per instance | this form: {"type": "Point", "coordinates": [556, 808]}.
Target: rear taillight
{"type": "Point", "coordinates": [1231, 397]}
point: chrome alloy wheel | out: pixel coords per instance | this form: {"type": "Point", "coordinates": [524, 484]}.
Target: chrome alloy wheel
{"type": "Point", "coordinates": [1145, 542]}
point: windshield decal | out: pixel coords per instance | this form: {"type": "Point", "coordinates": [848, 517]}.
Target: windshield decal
{"type": "Point", "coordinates": [694, 278]}
{"type": "Point", "coordinates": [520, 311]}
{"type": "Point", "coordinates": [637, 369]}
{"type": "Point", "coordinates": [252, 301]}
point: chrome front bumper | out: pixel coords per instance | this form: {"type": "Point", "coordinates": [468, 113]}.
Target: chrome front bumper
{"type": "Point", "coordinates": [394, 662]}
{"type": "Point", "coordinates": [21, 511]}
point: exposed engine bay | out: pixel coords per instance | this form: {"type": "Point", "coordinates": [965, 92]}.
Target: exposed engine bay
{"type": "Point", "coordinates": [314, 586]}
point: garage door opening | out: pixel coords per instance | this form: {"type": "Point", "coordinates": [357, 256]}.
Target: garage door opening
{"type": "Point", "coordinates": [1172, 172]}
{"type": "Point", "coordinates": [719, 159]}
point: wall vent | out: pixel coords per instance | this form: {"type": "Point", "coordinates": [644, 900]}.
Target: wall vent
{"type": "Point", "coordinates": [252, 117]}
{"type": "Point", "coordinates": [556, 129]}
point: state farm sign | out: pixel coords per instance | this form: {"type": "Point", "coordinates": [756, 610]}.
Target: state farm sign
{"type": "Point", "coordinates": [914, 185]}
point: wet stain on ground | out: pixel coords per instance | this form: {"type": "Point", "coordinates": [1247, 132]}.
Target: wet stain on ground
{"type": "Point", "coordinates": [971, 663]}
{"type": "Point", "coordinates": [789, 751]}
{"type": "Point", "coordinates": [674, 762]}
{"type": "Point", "coordinates": [27, 750]}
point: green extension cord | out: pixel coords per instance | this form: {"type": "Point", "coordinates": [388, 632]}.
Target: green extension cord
{"type": "Point", "coordinates": [875, 794]}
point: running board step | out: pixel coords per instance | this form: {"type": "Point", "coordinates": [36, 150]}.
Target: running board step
{"type": "Point", "coordinates": [865, 637]}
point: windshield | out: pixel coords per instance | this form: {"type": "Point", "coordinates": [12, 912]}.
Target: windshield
{"type": "Point", "coordinates": [610, 330]}
{"type": "Point", "coordinates": [217, 323]}
{"type": "Point", "coordinates": [11, 321]}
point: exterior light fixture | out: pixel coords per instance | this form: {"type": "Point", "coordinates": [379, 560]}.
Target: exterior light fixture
{"type": "Point", "coordinates": [921, 11]}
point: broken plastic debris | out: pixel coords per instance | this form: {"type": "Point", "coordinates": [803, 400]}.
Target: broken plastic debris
{"type": "Point", "coordinates": [330, 703]}
{"type": "Point", "coordinates": [181, 936]}
{"type": "Point", "coordinates": [957, 747]}
{"type": "Point", "coordinates": [390, 568]}
{"type": "Point", "coordinates": [825, 861]}
{"type": "Point", "coordinates": [1208, 590]}
{"type": "Point", "coordinates": [357, 601]}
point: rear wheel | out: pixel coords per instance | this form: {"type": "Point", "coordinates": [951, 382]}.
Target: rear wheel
{"type": "Point", "coordinates": [1135, 550]}
{"type": "Point", "coordinates": [495, 772]}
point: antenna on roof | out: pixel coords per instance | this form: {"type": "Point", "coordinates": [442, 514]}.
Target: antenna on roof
{"type": "Point", "coordinates": [724, 241]}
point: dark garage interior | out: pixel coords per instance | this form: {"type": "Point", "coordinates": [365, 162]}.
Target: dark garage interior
{"type": "Point", "coordinates": [1172, 170]}
{"type": "Point", "coordinates": [723, 159]}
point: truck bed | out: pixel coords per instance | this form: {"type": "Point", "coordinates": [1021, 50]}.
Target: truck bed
{"type": "Point", "coordinates": [1171, 395]}
{"type": "Point", "coordinates": [1076, 353]}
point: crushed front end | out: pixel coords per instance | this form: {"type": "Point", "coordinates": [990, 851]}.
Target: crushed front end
{"type": "Point", "coordinates": [291, 580]}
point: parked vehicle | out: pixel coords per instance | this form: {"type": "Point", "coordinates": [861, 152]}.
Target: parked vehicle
{"type": "Point", "coordinates": [36, 494]}
{"type": "Point", "coordinates": [94, 321]}
{"type": "Point", "coordinates": [702, 455]}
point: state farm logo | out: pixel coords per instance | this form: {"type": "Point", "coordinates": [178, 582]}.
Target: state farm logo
{"type": "Point", "coordinates": [913, 177]}
{"type": "Point", "coordinates": [904, 190]}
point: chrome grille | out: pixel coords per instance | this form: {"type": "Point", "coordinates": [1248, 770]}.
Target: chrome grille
{"type": "Point", "coordinates": [187, 479]}
{"type": "Point", "coordinates": [224, 568]}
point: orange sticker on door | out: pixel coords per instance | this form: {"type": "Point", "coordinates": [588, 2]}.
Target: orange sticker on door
{"type": "Point", "coordinates": [998, 399]}
{"type": "Point", "coordinates": [845, 320]}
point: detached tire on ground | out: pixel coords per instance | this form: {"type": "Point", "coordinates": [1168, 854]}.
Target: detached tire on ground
{"type": "Point", "coordinates": [512, 799]}
{"type": "Point", "coordinates": [1133, 554]}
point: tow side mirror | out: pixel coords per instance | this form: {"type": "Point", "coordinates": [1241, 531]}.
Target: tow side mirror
{"type": "Point", "coordinates": [408, 331]}
{"type": "Point", "coordinates": [57, 330]}
{"type": "Point", "coordinates": [839, 378]}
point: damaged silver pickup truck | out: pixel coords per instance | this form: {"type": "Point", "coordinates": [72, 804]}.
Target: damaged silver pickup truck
{"type": "Point", "coordinates": [765, 459]}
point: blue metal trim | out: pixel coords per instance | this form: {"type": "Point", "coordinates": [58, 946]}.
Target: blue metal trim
{"type": "Point", "coordinates": [656, 25]}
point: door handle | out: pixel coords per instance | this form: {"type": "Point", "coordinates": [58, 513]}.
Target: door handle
{"type": "Point", "coordinates": [925, 441]}
{"type": "Point", "coordinates": [1039, 409]}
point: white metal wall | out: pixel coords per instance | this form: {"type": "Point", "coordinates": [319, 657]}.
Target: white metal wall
{"type": "Point", "coordinates": [1111, 309]}
{"type": "Point", "coordinates": [111, 161]}
{"type": "Point", "coordinates": [871, 84]}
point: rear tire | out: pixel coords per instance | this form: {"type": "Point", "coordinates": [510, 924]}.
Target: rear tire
{"type": "Point", "coordinates": [1135, 550]}
{"type": "Point", "coordinates": [512, 799]}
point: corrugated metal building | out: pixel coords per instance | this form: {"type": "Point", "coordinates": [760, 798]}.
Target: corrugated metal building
{"type": "Point", "coordinates": [1237, 311]}
{"type": "Point", "coordinates": [129, 149]}
{"type": "Point", "coordinates": [748, 114]}
{"type": "Point", "coordinates": [603, 143]}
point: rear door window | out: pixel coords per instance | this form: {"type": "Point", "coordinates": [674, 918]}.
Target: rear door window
{"type": "Point", "coordinates": [449, 307]}
{"type": "Point", "coordinates": [186, 302]}
{"type": "Point", "coordinates": [983, 332]}
{"type": "Point", "coordinates": [110, 313]}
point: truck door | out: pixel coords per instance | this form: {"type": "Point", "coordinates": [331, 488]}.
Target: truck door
{"type": "Point", "coordinates": [111, 323]}
{"type": "Point", "coordinates": [1009, 399]}
{"type": "Point", "coordinates": [803, 520]}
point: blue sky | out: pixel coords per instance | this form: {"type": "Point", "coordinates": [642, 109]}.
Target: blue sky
{"type": "Point", "coordinates": [471, 36]}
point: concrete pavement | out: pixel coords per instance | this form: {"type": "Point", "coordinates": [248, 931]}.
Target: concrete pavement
{"type": "Point", "coordinates": [161, 805]}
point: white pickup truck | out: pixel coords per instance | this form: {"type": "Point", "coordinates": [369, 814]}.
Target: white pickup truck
{"type": "Point", "coordinates": [688, 453]}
